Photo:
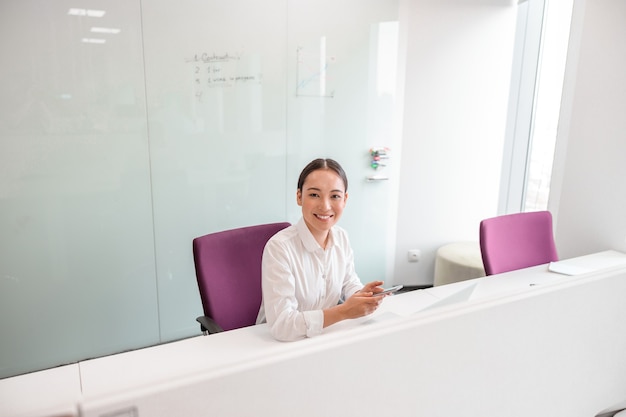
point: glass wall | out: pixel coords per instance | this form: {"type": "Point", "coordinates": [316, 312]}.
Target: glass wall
{"type": "Point", "coordinates": [127, 129]}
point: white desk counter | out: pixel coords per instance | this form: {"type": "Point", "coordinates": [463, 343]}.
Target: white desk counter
{"type": "Point", "coordinates": [553, 348]}
{"type": "Point", "coordinates": [528, 342]}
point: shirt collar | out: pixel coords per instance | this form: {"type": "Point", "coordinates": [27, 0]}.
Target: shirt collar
{"type": "Point", "coordinates": [307, 238]}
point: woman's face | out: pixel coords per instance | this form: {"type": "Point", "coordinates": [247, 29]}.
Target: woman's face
{"type": "Point", "coordinates": [322, 198]}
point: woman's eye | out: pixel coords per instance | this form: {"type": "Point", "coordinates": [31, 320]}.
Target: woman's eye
{"type": "Point", "coordinates": [313, 195]}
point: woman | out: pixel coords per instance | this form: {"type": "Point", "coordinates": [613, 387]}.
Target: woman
{"type": "Point", "coordinates": [308, 268]}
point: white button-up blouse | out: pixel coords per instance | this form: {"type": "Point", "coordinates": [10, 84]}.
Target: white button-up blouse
{"type": "Point", "coordinates": [300, 279]}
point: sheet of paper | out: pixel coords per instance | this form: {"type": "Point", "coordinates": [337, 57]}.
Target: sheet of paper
{"type": "Point", "coordinates": [589, 263]}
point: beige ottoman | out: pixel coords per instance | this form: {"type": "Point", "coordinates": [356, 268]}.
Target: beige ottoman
{"type": "Point", "coordinates": [457, 262]}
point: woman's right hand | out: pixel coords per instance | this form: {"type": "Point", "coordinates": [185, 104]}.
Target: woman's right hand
{"type": "Point", "coordinates": [361, 303]}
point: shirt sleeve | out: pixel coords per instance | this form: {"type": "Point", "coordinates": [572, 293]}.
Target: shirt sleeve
{"type": "Point", "coordinates": [279, 298]}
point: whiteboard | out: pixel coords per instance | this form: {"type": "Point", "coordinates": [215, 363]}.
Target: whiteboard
{"type": "Point", "coordinates": [171, 120]}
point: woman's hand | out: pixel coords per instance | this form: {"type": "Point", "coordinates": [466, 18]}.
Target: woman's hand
{"type": "Point", "coordinates": [361, 303]}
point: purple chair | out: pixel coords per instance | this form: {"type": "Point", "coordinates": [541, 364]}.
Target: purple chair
{"type": "Point", "coordinates": [228, 271]}
{"type": "Point", "coordinates": [516, 241]}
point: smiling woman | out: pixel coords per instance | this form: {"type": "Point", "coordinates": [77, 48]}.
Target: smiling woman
{"type": "Point", "coordinates": [308, 276]}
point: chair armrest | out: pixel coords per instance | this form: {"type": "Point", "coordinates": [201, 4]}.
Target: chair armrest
{"type": "Point", "coordinates": [208, 325]}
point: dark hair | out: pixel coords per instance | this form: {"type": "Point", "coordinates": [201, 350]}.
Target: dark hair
{"type": "Point", "coordinates": [323, 163]}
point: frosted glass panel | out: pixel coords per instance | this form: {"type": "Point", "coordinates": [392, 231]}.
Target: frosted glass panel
{"type": "Point", "coordinates": [216, 114]}
{"type": "Point", "coordinates": [129, 128]}
{"type": "Point", "coordinates": [342, 102]}
{"type": "Point", "coordinates": [77, 250]}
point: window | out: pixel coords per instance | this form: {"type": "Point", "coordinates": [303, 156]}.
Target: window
{"type": "Point", "coordinates": [536, 87]}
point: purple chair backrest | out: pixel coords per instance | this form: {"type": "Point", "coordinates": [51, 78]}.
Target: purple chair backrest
{"type": "Point", "coordinates": [516, 241]}
{"type": "Point", "coordinates": [228, 271]}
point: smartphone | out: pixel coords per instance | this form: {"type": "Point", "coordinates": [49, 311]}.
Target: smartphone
{"type": "Point", "coordinates": [390, 290]}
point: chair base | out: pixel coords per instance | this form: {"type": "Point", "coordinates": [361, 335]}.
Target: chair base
{"type": "Point", "coordinates": [208, 325]}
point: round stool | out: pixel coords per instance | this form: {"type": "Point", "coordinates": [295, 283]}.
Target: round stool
{"type": "Point", "coordinates": [457, 262]}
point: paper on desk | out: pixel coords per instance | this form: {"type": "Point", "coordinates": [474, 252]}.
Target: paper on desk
{"type": "Point", "coordinates": [588, 263]}
{"type": "Point", "coordinates": [567, 269]}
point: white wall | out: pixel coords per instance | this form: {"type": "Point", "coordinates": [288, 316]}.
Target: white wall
{"type": "Point", "coordinates": [459, 58]}
{"type": "Point", "coordinates": [588, 194]}
{"type": "Point", "coordinates": [457, 79]}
